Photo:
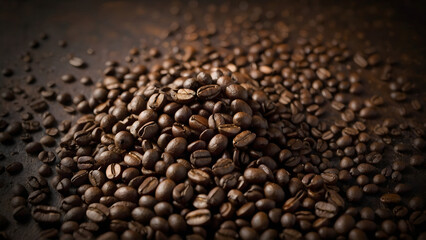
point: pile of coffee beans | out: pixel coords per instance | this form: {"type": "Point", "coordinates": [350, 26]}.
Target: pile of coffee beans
{"type": "Point", "coordinates": [263, 137]}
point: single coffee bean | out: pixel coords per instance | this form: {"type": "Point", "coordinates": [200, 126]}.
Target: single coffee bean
{"type": "Point", "coordinates": [113, 171]}
{"type": "Point", "coordinates": [208, 92]}
{"type": "Point", "coordinates": [216, 196]}
{"type": "Point", "coordinates": [200, 158]}
{"type": "Point", "coordinates": [244, 139]}
{"type": "Point", "coordinates": [325, 210]}
{"type": "Point", "coordinates": [217, 144]}
{"type": "Point", "coordinates": [185, 96]}
{"type": "Point", "coordinates": [46, 214]}
{"type": "Point", "coordinates": [164, 190]}
{"type": "Point", "coordinates": [126, 193]}
{"type": "Point", "coordinates": [97, 212]}
{"type": "Point", "coordinates": [33, 148]}
{"type": "Point", "coordinates": [176, 172]}
{"type": "Point", "coordinates": [390, 198]}
{"type": "Point", "coordinates": [75, 214]}
{"type": "Point", "coordinates": [123, 140]}
{"type": "Point", "coordinates": [198, 217]}
{"type": "Point", "coordinates": [14, 168]}
{"type": "Point", "coordinates": [223, 166]}
{"type": "Point", "coordinates": [21, 213]}
{"type": "Point", "coordinates": [176, 146]}
{"type": "Point", "coordinates": [344, 223]}
{"type": "Point", "coordinates": [18, 201]}
{"type": "Point", "coordinates": [255, 175]}
{"type": "Point", "coordinates": [199, 177]}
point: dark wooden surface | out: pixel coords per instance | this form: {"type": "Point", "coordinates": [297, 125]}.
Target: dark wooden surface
{"type": "Point", "coordinates": [111, 28]}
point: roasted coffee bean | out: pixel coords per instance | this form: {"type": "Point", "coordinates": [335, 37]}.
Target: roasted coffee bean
{"type": "Point", "coordinates": [185, 96]}
{"type": "Point", "coordinates": [33, 148]}
{"type": "Point", "coordinates": [217, 144]}
{"type": "Point", "coordinates": [97, 212]}
{"type": "Point", "coordinates": [176, 172]}
{"type": "Point", "coordinates": [344, 223]}
{"type": "Point", "coordinates": [14, 168]}
{"type": "Point", "coordinates": [200, 158]}
{"type": "Point", "coordinates": [74, 214]}
{"type": "Point", "coordinates": [255, 175]}
{"type": "Point", "coordinates": [113, 171]}
{"type": "Point", "coordinates": [176, 146]}
{"type": "Point", "coordinates": [208, 92]}
{"type": "Point", "coordinates": [46, 214]}
{"type": "Point", "coordinates": [223, 166]}
{"type": "Point", "coordinates": [199, 177]}
{"type": "Point", "coordinates": [260, 221]}
{"type": "Point", "coordinates": [216, 196]}
{"type": "Point", "coordinates": [198, 217]}
{"type": "Point", "coordinates": [274, 192]}
{"type": "Point", "coordinates": [126, 194]}
{"type": "Point", "coordinates": [183, 192]}
{"type": "Point", "coordinates": [96, 178]}
{"type": "Point", "coordinates": [37, 197]}
{"type": "Point", "coordinates": [390, 198]}
{"type": "Point", "coordinates": [243, 139]}
{"type": "Point", "coordinates": [198, 123]}
{"type": "Point", "coordinates": [354, 194]}
{"type": "Point", "coordinates": [164, 190]}
{"type": "Point", "coordinates": [325, 210]}
{"type": "Point", "coordinates": [21, 213]}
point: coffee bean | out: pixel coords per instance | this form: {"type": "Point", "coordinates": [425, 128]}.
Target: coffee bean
{"type": "Point", "coordinates": [46, 214]}
{"type": "Point", "coordinates": [243, 139]}
{"type": "Point", "coordinates": [77, 62]}
{"type": "Point", "coordinates": [183, 193]}
{"type": "Point", "coordinates": [176, 172]}
{"type": "Point", "coordinates": [185, 96]}
{"type": "Point", "coordinates": [260, 221]}
{"type": "Point", "coordinates": [200, 158]}
{"type": "Point", "coordinates": [255, 175]}
{"type": "Point", "coordinates": [113, 171]}
{"type": "Point", "coordinates": [17, 201]}
{"type": "Point", "coordinates": [148, 186]}
{"type": "Point", "coordinates": [164, 190]}
{"type": "Point", "coordinates": [21, 213]}
{"type": "Point", "coordinates": [68, 78]}
{"type": "Point", "coordinates": [198, 123]}
{"type": "Point", "coordinates": [354, 194]}
{"type": "Point", "coordinates": [344, 224]}
{"type": "Point", "coordinates": [216, 196]}
{"type": "Point", "coordinates": [229, 130]}
{"type": "Point", "coordinates": [198, 176]}
{"type": "Point", "coordinates": [198, 217]}
{"type": "Point", "coordinates": [14, 168]}
{"type": "Point", "coordinates": [37, 197]}
{"type": "Point", "coordinates": [223, 166]}
{"type": "Point", "coordinates": [97, 212]}
{"type": "Point", "coordinates": [126, 194]}
{"type": "Point", "coordinates": [325, 210]}
{"type": "Point", "coordinates": [390, 198]}
{"type": "Point", "coordinates": [208, 92]}
{"type": "Point", "coordinates": [217, 144]}
{"type": "Point", "coordinates": [124, 140]}
{"type": "Point", "coordinates": [33, 148]}
{"type": "Point", "coordinates": [74, 214]}
{"type": "Point", "coordinates": [176, 146]}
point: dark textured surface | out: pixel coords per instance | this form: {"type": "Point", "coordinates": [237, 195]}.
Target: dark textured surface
{"type": "Point", "coordinates": [111, 28]}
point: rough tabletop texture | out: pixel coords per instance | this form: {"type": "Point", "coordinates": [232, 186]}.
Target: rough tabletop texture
{"type": "Point", "coordinates": [110, 28]}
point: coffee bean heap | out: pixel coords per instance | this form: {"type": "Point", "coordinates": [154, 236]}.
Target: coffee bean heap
{"type": "Point", "coordinates": [228, 142]}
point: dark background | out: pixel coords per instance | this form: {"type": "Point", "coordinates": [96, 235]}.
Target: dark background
{"type": "Point", "coordinates": [111, 28]}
